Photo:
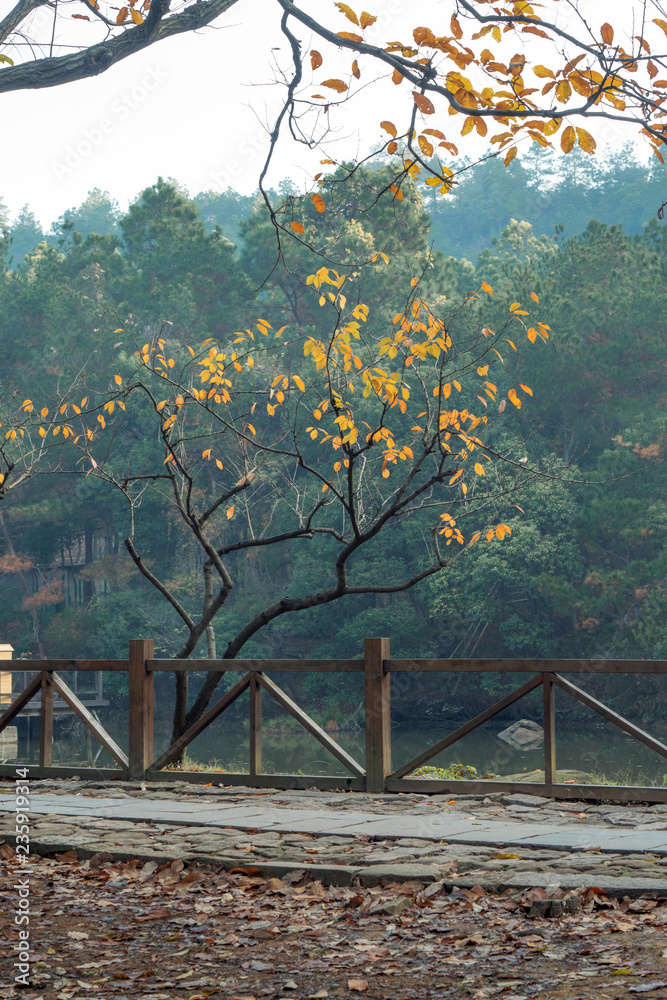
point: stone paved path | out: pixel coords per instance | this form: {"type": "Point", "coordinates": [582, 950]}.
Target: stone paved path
{"type": "Point", "coordinates": [496, 840]}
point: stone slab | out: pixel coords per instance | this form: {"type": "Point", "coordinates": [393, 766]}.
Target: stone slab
{"type": "Point", "coordinates": [406, 872]}
{"type": "Point", "coordinates": [414, 827]}
{"type": "Point", "coordinates": [438, 826]}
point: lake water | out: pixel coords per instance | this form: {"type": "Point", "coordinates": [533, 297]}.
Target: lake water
{"type": "Point", "coordinates": [597, 748]}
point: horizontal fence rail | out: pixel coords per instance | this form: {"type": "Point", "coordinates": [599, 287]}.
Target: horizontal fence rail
{"type": "Point", "coordinates": [375, 774]}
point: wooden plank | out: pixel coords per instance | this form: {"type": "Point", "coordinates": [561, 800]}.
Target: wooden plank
{"type": "Point", "coordinates": [255, 726]}
{"type": "Point", "coordinates": [225, 779]}
{"type": "Point", "coordinates": [21, 701]}
{"type": "Point", "coordinates": [528, 666]}
{"type": "Point", "coordinates": [310, 725]}
{"type": "Point", "coordinates": [98, 731]}
{"type": "Point", "coordinates": [607, 713]}
{"type": "Point", "coordinates": [177, 748]}
{"type": "Point", "coordinates": [140, 707]}
{"type": "Point", "coordinates": [591, 793]}
{"type": "Point", "coordinates": [83, 772]}
{"type": "Point", "coordinates": [46, 722]}
{"type": "Point", "coordinates": [259, 666]}
{"type": "Point", "coordinates": [549, 725]}
{"type": "Point", "coordinates": [17, 666]}
{"type": "Point", "coordinates": [377, 702]}
{"type": "Point", "coordinates": [467, 727]}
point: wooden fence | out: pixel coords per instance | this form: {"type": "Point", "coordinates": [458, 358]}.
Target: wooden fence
{"type": "Point", "coordinates": [376, 774]}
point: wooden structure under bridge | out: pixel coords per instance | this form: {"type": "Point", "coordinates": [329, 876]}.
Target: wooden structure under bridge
{"type": "Point", "coordinates": [87, 687]}
{"type": "Point", "coordinates": [376, 773]}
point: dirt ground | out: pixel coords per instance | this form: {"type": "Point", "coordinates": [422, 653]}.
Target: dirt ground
{"type": "Point", "coordinates": [126, 929]}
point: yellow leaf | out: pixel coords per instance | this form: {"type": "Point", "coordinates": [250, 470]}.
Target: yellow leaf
{"type": "Point", "coordinates": [456, 29]}
{"type": "Point", "coordinates": [484, 370]}
{"type": "Point", "coordinates": [563, 91]}
{"type": "Point", "coordinates": [424, 104]}
{"type": "Point", "coordinates": [479, 469]}
{"type": "Point", "coordinates": [607, 33]}
{"type": "Point", "coordinates": [42, 432]}
{"type": "Point", "coordinates": [533, 296]}
{"type": "Point", "coordinates": [511, 153]}
{"type": "Point", "coordinates": [396, 78]}
{"type": "Point", "coordinates": [487, 288]}
{"type": "Point", "coordinates": [318, 202]}
{"type": "Point", "coordinates": [136, 17]}
{"type": "Point", "coordinates": [336, 85]}
{"type": "Point", "coordinates": [298, 227]}
{"type": "Point", "coordinates": [586, 140]}
{"type": "Point", "coordinates": [251, 429]}
{"type": "Point", "coordinates": [427, 149]}
{"type": "Point", "coordinates": [526, 388]}
{"type": "Point", "coordinates": [367, 19]}
{"type": "Point", "coordinates": [218, 463]}
{"type": "Point", "coordinates": [118, 380]}
{"type": "Point", "coordinates": [349, 13]}
{"type": "Point", "coordinates": [456, 476]}
{"type": "Point", "coordinates": [299, 383]}
{"type": "Point", "coordinates": [356, 72]}
{"type": "Point", "coordinates": [389, 127]}
{"type": "Point", "coordinates": [230, 513]}
{"type": "Point", "coordinates": [568, 139]}
{"type": "Point", "coordinates": [315, 59]}
{"type": "Point", "coordinates": [661, 24]}
{"type": "Point", "coordinates": [543, 72]}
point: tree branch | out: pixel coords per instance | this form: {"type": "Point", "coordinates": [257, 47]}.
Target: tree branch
{"type": "Point", "coordinates": [96, 59]}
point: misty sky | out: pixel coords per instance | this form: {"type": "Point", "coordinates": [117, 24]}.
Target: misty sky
{"type": "Point", "coordinates": [194, 108]}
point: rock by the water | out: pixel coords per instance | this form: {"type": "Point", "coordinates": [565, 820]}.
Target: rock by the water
{"type": "Point", "coordinates": [524, 734]}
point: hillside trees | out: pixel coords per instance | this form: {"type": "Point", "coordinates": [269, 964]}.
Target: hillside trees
{"type": "Point", "coordinates": [375, 426]}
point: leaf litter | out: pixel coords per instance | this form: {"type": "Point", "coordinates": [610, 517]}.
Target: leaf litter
{"type": "Point", "coordinates": [109, 929]}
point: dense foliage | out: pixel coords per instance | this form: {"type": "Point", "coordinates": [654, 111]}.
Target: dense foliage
{"type": "Point", "coordinates": [583, 572]}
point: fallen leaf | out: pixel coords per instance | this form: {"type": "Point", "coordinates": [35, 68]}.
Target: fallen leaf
{"type": "Point", "coordinates": [358, 985]}
{"type": "Point", "coordinates": [77, 935]}
{"type": "Point", "coordinates": [155, 915]}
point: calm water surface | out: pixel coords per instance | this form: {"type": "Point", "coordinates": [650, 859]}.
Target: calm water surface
{"type": "Point", "coordinates": [599, 749]}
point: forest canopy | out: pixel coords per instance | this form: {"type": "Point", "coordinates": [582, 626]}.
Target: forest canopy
{"type": "Point", "coordinates": [583, 571]}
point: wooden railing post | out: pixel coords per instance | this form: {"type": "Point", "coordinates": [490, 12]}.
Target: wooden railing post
{"type": "Point", "coordinates": [378, 714]}
{"type": "Point", "coordinates": [549, 721]}
{"type": "Point", "coordinates": [46, 721]}
{"type": "Point", "coordinates": [141, 708]}
{"type": "Point", "coordinates": [255, 726]}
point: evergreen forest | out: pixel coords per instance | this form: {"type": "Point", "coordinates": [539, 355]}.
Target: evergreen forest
{"type": "Point", "coordinates": [584, 571]}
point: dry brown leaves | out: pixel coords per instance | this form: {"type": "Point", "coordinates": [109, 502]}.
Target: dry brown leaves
{"type": "Point", "coordinates": [104, 928]}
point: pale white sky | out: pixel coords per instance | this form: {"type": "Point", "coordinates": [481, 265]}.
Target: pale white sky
{"type": "Point", "coordinates": [193, 108]}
